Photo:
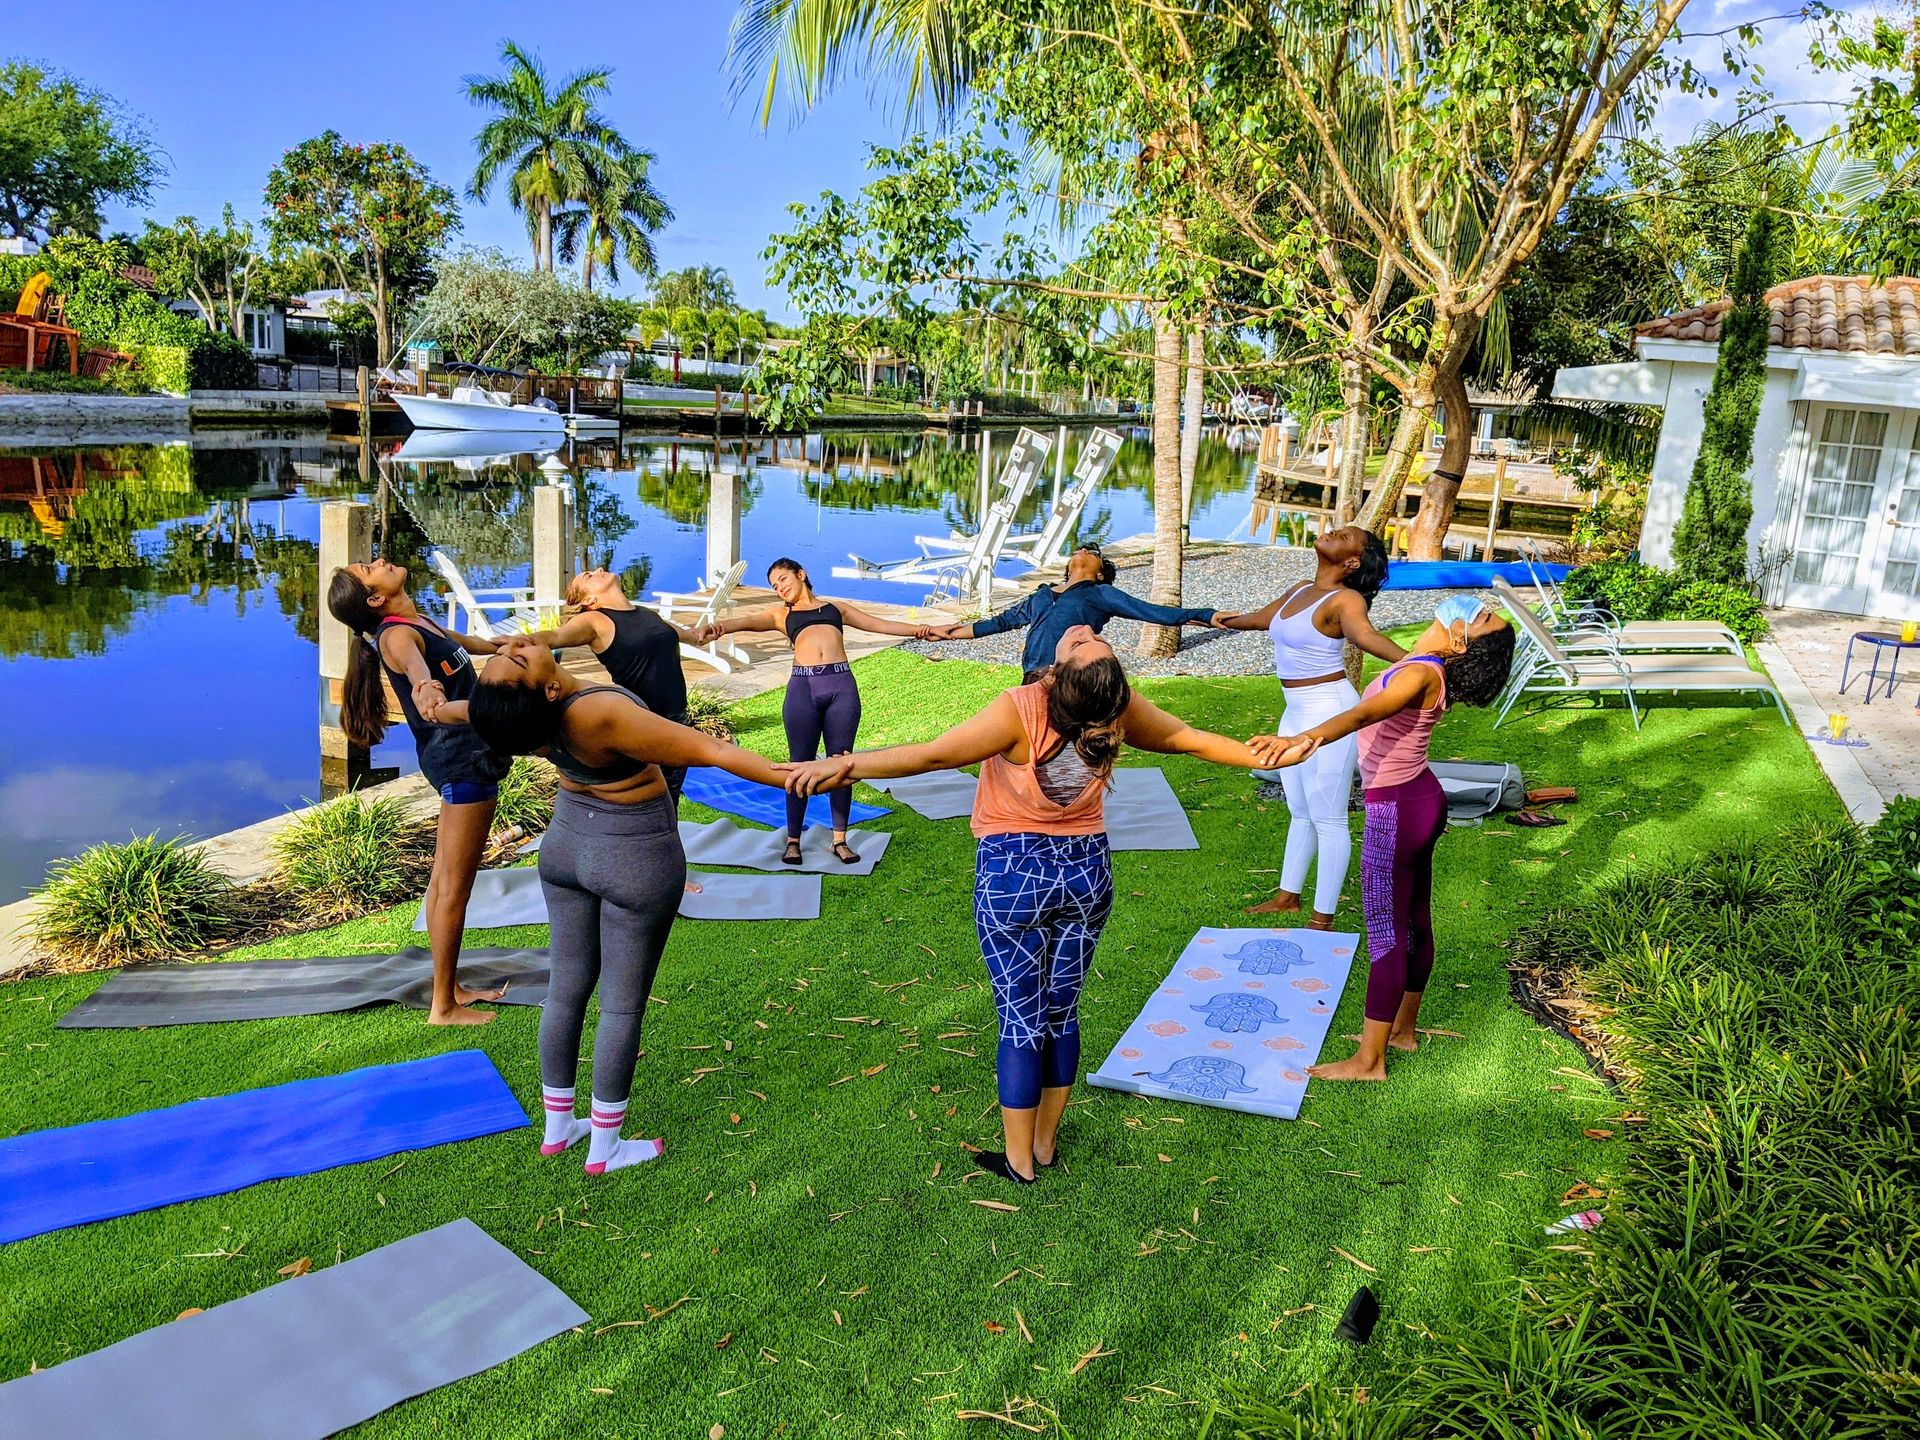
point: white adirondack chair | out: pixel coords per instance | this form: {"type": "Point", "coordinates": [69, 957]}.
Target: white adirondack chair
{"type": "Point", "coordinates": [513, 604]}
{"type": "Point", "coordinates": [1042, 547]}
{"type": "Point", "coordinates": [694, 608]}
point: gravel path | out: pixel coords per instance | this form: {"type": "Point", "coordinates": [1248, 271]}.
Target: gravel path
{"type": "Point", "coordinates": [1246, 577]}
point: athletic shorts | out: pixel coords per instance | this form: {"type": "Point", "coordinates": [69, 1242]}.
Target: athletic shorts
{"type": "Point", "coordinates": [468, 792]}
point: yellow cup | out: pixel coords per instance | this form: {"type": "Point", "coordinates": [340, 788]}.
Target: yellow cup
{"type": "Point", "coordinates": [1837, 726]}
{"type": "Point", "coordinates": [1908, 630]}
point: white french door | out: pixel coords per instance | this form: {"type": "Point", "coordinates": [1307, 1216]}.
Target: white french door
{"type": "Point", "coordinates": [1895, 585]}
{"type": "Point", "coordinates": [1834, 565]}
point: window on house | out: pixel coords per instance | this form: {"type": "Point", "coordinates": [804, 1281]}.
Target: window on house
{"type": "Point", "coordinates": [1833, 527]}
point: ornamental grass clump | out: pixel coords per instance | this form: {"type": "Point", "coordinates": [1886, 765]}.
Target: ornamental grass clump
{"type": "Point", "coordinates": [148, 899]}
{"type": "Point", "coordinates": [526, 797]}
{"type": "Point", "coordinates": [709, 712]}
{"type": "Point", "coordinates": [353, 855]}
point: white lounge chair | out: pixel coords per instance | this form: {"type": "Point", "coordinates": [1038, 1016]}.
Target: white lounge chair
{"type": "Point", "coordinates": [1586, 616]}
{"type": "Point", "coordinates": [1042, 547]}
{"type": "Point", "coordinates": [971, 572]}
{"type": "Point", "coordinates": [1630, 637]}
{"type": "Point", "coordinates": [697, 607]}
{"type": "Point", "coordinates": [514, 604]}
{"type": "Point", "coordinates": [1543, 669]}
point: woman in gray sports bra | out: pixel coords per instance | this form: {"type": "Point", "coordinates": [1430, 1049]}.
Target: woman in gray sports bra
{"type": "Point", "coordinates": [611, 866]}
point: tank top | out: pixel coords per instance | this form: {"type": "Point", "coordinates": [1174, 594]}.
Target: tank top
{"type": "Point", "coordinates": [1010, 799]}
{"type": "Point", "coordinates": [1395, 751]}
{"type": "Point", "coordinates": [824, 614]}
{"type": "Point", "coordinates": [448, 753]}
{"type": "Point", "coordinates": [644, 659]}
{"type": "Point", "coordinates": [624, 767]}
{"type": "Point", "coordinates": [1300, 651]}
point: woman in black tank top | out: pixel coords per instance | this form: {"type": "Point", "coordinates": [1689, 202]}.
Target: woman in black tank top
{"type": "Point", "coordinates": [428, 666]}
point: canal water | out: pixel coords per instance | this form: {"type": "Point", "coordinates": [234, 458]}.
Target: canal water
{"type": "Point", "coordinates": [159, 604]}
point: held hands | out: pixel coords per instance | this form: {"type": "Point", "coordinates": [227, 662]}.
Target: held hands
{"type": "Point", "coordinates": [428, 697]}
{"type": "Point", "coordinates": [1276, 752]}
{"type": "Point", "coordinates": [1223, 619]}
{"type": "Point", "coordinates": [812, 777]}
{"type": "Point", "coordinates": [937, 632]}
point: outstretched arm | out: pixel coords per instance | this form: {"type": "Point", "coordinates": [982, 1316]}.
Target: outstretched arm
{"type": "Point", "coordinates": [1415, 687]}
{"type": "Point", "coordinates": [1357, 625]}
{"type": "Point", "coordinates": [992, 732]}
{"type": "Point", "coordinates": [864, 620]}
{"type": "Point", "coordinates": [642, 735]}
{"type": "Point", "coordinates": [1118, 602]}
{"type": "Point", "coordinates": [1148, 727]}
{"type": "Point", "coordinates": [472, 644]}
{"type": "Point", "coordinates": [774, 617]}
{"type": "Point", "coordinates": [1014, 617]}
{"type": "Point", "coordinates": [583, 629]}
{"type": "Point", "coordinates": [1251, 619]}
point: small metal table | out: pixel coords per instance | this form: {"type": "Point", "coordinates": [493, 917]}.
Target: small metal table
{"type": "Point", "coordinates": [1877, 641]}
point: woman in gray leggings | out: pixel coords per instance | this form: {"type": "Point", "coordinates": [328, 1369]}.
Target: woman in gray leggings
{"type": "Point", "coordinates": [611, 866]}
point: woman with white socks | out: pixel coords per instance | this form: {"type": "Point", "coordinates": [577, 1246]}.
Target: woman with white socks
{"type": "Point", "coordinates": [1311, 625]}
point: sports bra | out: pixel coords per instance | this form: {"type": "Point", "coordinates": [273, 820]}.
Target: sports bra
{"type": "Point", "coordinates": [1300, 651]}
{"type": "Point", "coordinates": [623, 768]}
{"type": "Point", "coordinates": [1394, 751]}
{"type": "Point", "coordinates": [826, 613]}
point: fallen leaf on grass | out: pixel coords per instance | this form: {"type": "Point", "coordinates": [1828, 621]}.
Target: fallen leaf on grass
{"type": "Point", "coordinates": [1165, 1159]}
{"type": "Point", "coordinates": [1021, 1321]}
{"type": "Point", "coordinates": [1598, 1134]}
{"type": "Point", "coordinates": [1003, 1419]}
{"type": "Point", "coordinates": [936, 1171]}
{"type": "Point", "coordinates": [875, 1070]}
{"type": "Point", "coordinates": [298, 1267]}
{"type": "Point", "coordinates": [1096, 1353]}
{"type": "Point", "coordinates": [598, 1390]}
{"type": "Point", "coordinates": [724, 1341]}
{"type": "Point", "coordinates": [994, 1327]}
{"type": "Point", "coordinates": [1355, 1260]}
{"type": "Point", "coordinates": [190, 1310]}
{"type": "Point", "coordinates": [836, 1318]}
{"type": "Point", "coordinates": [994, 1205]}
{"type": "Point", "coordinates": [717, 1431]}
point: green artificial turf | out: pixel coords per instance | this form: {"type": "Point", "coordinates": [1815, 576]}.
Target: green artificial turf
{"type": "Point", "coordinates": [807, 1259]}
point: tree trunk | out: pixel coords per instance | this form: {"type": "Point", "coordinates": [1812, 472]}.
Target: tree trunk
{"type": "Point", "coordinates": [1160, 640]}
{"type": "Point", "coordinates": [543, 248]}
{"type": "Point", "coordinates": [1441, 489]}
{"type": "Point", "coordinates": [586, 270]}
{"type": "Point", "coordinates": [1195, 404]}
{"type": "Point", "coordinates": [1356, 422]}
{"type": "Point", "coordinates": [382, 336]}
{"type": "Point", "coordinates": [1416, 416]}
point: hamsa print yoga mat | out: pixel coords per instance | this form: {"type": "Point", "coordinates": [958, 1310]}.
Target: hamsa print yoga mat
{"type": "Point", "coordinates": [1237, 1021]}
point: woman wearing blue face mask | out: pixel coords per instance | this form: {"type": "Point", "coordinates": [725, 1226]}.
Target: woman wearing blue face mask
{"type": "Point", "coordinates": [1462, 658]}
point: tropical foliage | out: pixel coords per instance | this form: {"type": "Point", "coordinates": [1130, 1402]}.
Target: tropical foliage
{"type": "Point", "coordinates": [485, 309]}
{"type": "Point", "coordinates": [147, 899]}
{"type": "Point", "coordinates": [65, 151]}
{"type": "Point", "coordinates": [215, 266]}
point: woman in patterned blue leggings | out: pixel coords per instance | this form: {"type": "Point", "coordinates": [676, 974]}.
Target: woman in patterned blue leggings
{"type": "Point", "coordinates": [1043, 886]}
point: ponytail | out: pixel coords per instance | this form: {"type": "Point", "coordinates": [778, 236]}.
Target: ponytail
{"type": "Point", "coordinates": [1085, 704]}
{"type": "Point", "coordinates": [363, 700]}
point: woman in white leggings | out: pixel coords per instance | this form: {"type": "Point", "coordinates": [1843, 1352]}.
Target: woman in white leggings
{"type": "Point", "coordinates": [1311, 625]}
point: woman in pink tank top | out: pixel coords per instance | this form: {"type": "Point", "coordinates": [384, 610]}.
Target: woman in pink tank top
{"type": "Point", "coordinates": [1043, 884]}
{"type": "Point", "coordinates": [1463, 658]}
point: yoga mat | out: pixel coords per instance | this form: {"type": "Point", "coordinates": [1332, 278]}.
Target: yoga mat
{"type": "Point", "coordinates": [1462, 574]}
{"type": "Point", "coordinates": [50, 1179]}
{"type": "Point", "coordinates": [307, 1357]}
{"type": "Point", "coordinates": [1237, 1021]}
{"type": "Point", "coordinates": [942, 795]}
{"type": "Point", "coordinates": [718, 790]}
{"type": "Point", "coordinates": [721, 842]}
{"type": "Point", "coordinates": [1144, 814]}
{"type": "Point", "coordinates": [514, 897]}
{"type": "Point", "coordinates": [213, 991]}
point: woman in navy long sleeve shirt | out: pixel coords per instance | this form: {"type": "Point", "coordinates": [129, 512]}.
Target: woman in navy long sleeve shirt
{"type": "Point", "coordinates": [1086, 597]}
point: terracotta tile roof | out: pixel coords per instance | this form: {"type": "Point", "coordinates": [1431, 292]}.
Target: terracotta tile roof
{"type": "Point", "coordinates": [1847, 313]}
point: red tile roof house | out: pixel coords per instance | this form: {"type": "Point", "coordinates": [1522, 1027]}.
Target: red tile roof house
{"type": "Point", "coordinates": [1836, 468]}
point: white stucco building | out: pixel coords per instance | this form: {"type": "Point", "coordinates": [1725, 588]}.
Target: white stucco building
{"type": "Point", "coordinates": [1836, 454]}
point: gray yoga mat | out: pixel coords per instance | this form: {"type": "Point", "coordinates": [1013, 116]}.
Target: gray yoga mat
{"type": "Point", "coordinates": [1142, 811]}
{"type": "Point", "coordinates": [213, 991]}
{"type": "Point", "coordinates": [941, 795]}
{"type": "Point", "coordinates": [721, 842]}
{"type": "Point", "coordinates": [309, 1356]}
{"type": "Point", "coordinates": [514, 897]}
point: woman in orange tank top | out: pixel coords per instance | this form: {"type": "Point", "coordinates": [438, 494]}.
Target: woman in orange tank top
{"type": "Point", "coordinates": [1043, 884]}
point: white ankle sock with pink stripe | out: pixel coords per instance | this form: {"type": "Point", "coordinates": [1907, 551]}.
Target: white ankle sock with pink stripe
{"type": "Point", "coordinates": [564, 1128]}
{"type": "Point", "coordinates": [607, 1151]}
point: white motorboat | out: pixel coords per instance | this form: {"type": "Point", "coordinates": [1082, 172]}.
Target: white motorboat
{"type": "Point", "coordinates": [472, 407]}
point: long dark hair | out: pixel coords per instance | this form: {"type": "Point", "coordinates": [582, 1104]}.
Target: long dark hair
{"type": "Point", "coordinates": [1084, 705]}
{"type": "Point", "coordinates": [513, 719]}
{"type": "Point", "coordinates": [1479, 673]}
{"type": "Point", "coordinates": [1371, 573]}
{"type": "Point", "coordinates": [363, 701]}
{"type": "Point", "coordinates": [793, 568]}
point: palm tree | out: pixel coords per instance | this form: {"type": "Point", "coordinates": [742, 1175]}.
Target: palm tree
{"type": "Point", "coordinates": [810, 44]}
{"type": "Point", "coordinates": [689, 327]}
{"type": "Point", "coordinates": [616, 212]}
{"type": "Point", "coordinates": [549, 141]}
{"type": "Point", "coordinates": [749, 330]}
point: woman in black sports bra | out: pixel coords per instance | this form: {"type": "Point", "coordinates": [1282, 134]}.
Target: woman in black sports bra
{"type": "Point", "coordinates": [427, 666]}
{"type": "Point", "coordinates": [823, 702]}
{"type": "Point", "coordinates": [611, 866]}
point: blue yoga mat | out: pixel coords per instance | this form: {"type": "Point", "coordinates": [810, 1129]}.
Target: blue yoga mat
{"type": "Point", "coordinates": [1462, 574]}
{"type": "Point", "coordinates": [51, 1179]}
{"type": "Point", "coordinates": [718, 790]}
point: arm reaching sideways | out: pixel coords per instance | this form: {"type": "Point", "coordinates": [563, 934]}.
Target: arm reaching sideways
{"type": "Point", "coordinates": [994, 731]}
{"type": "Point", "coordinates": [585, 628]}
{"type": "Point", "coordinates": [626, 729]}
{"type": "Point", "coordinates": [774, 617]}
{"type": "Point", "coordinates": [862, 620]}
{"type": "Point", "coordinates": [1357, 626]}
{"type": "Point", "coordinates": [1148, 727]}
{"type": "Point", "coordinates": [1417, 687]}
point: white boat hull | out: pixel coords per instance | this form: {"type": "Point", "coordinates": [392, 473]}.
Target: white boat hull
{"type": "Point", "coordinates": [437, 412]}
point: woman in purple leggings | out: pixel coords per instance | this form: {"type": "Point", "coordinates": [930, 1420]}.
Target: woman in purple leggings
{"type": "Point", "coordinates": [823, 703]}
{"type": "Point", "coordinates": [1463, 658]}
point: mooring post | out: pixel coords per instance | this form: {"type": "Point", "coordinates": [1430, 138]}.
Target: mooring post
{"type": "Point", "coordinates": [346, 538]}
{"type": "Point", "coordinates": [1493, 511]}
{"type": "Point", "coordinates": [552, 545]}
{"type": "Point", "coordinates": [723, 522]}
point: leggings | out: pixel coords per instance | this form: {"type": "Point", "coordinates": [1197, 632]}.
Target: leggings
{"type": "Point", "coordinates": [613, 876]}
{"type": "Point", "coordinates": [1040, 903]}
{"type": "Point", "coordinates": [1318, 792]}
{"type": "Point", "coordinates": [823, 703]}
{"type": "Point", "coordinates": [1404, 823]}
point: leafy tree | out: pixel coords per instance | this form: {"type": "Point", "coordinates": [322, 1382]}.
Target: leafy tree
{"type": "Point", "coordinates": [617, 214]}
{"type": "Point", "coordinates": [65, 150]}
{"type": "Point", "coordinates": [1710, 543]}
{"type": "Point", "coordinates": [697, 287]}
{"type": "Point", "coordinates": [482, 305]}
{"type": "Point", "coordinates": [551, 143]}
{"type": "Point", "coordinates": [1883, 128]}
{"type": "Point", "coordinates": [215, 266]}
{"type": "Point", "coordinates": [372, 210]}
{"type": "Point", "coordinates": [689, 326]}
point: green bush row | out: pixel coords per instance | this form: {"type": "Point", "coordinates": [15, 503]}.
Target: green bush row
{"type": "Point", "coordinates": [53, 382]}
{"type": "Point", "coordinates": [1757, 1272]}
{"type": "Point", "coordinates": [1633, 591]}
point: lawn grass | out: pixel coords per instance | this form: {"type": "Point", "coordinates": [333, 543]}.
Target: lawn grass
{"type": "Point", "coordinates": [810, 1229]}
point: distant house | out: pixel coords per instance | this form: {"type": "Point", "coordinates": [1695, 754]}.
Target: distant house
{"type": "Point", "coordinates": [1836, 473]}
{"type": "Point", "coordinates": [263, 327]}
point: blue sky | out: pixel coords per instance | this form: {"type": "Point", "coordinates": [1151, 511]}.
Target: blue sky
{"type": "Point", "coordinates": [228, 87]}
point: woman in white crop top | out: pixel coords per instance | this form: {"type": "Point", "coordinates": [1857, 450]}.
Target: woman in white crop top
{"type": "Point", "coordinates": [1311, 626]}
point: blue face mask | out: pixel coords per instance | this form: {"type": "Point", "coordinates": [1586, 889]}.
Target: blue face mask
{"type": "Point", "coordinates": [1458, 610]}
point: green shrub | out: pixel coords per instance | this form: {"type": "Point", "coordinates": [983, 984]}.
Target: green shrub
{"type": "Point", "coordinates": [709, 712]}
{"type": "Point", "coordinates": [148, 899]}
{"type": "Point", "coordinates": [1728, 605]}
{"type": "Point", "coordinates": [526, 797]}
{"type": "Point", "coordinates": [52, 382]}
{"type": "Point", "coordinates": [353, 855]}
{"type": "Point", "coordinates": [1630, 590]}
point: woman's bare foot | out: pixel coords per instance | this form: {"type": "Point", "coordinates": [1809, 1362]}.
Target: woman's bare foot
{"type": "Point", "coordinates": [693, 887]}
{"type": "Point", "coordinates": [1320, 922]}
{"type": "Point", "coordinates": [1403, 1040]}
{"type": "Point", "coordinates": [1351, 1068]}
{"type": "Point", "coordinates": [462, 996]}
{"type": "Point", "coordinates": [459, 1015]}
{"type": "Point", "coordinates": [1281, 904]}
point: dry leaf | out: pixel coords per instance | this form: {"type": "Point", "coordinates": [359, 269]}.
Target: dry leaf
{"type": "Point", "coordinates": [298, 1267]}
{"type": "Point", "coordinates": [1356, 1260]}
{"type": "Point", "coordinates": [1096, 1353]}
{"type": "Point", "coordinates": [1598, 1134]}
{"type": "Point", "coordinates": [1021, 1321]}
{"type": "Point", "coordinates": [1166, 1159]}
{"type": "Point", "coordinates": [994, 1205]}
{"type": "Point", "coordinates": [190, 1310]}
{"type": "Point", "coordinates": [724, 1341]}
{"type": "Point", "coordinates": [994, 1327]}
{"type": "Point", "coordinates": [717, 1431]}
{"type": "Point", "coordinates": [598, 1390]}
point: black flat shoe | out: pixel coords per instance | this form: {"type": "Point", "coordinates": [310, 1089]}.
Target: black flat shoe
{"type": "Point", "coordinates": [792, 853]}
{"type": "Point", "coordinates": [845, 853]}
{"type": "Point", "coordinates": [995, 1162]}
